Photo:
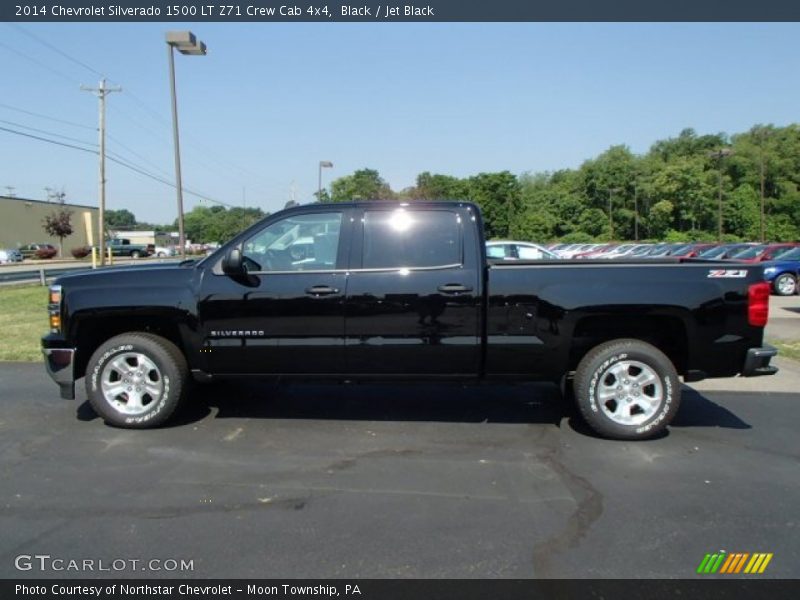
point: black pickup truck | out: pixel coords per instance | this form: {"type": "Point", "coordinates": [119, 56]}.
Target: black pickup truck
{"type": "Point", "coordinates": [405, 291]}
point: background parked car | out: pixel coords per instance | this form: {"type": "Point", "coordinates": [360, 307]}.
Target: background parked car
{"type": "Point", "coordinates": [31, 250]}
{"type": "Point", "coordinates": [762, 252]}
{"type": "Point", "coordinates": [723, 251]}
{"type": "Point", "coordinates": [784, 272]}
{"type": "Point", "coordinates": [10, 255]}
{"type": "Point", "coordinates": [164, 251]}
{"type": "Point", "coordinates": [511, 250]}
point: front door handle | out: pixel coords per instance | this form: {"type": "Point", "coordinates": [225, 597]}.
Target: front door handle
{"type": "Point", "coordinates": [321, 290]}
{"type": "Point", "coordinates": [454, 288]}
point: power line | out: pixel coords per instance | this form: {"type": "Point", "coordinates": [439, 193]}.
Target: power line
{"type": "Point", "coordinates": [218, 161]}
{"type": "Point", "coordinates": [40, 115]}
{"type": "Point", "coordinates": [54, 49]}
{"type": "Point", "coordinates": [141, 157]}
{"type": "Point", "coordinates": [123, 163]}
{"type": "Point", "coordinates": [64, 137]}
{"type": "Point", "coordinates": [36, 62]}
{"type": "Point", "coordinates": [49, 141]}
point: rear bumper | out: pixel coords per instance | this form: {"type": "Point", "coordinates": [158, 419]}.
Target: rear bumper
{"type": "Point", "coordinates": [756, 362]}
{"type": "Point", "coordinates": [60, 365]}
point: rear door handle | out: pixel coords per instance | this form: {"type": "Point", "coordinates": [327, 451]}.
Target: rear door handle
{"type": "Point", "coordinates": [321, 290]}
{"type": "Point", "coordinates": [454, 288]}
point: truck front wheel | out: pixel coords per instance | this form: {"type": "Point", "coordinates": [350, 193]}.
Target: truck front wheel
{"type": "Point", "coordinates": [627, 389]}
{"type": "Point", "coordinates": [136, 380]}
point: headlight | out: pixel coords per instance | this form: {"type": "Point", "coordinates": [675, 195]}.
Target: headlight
{"type": "Point", "coordinates": [54, 308]}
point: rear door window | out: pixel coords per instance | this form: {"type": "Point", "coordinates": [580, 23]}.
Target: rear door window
{"type": "Point", "coordinates": [407, 238]}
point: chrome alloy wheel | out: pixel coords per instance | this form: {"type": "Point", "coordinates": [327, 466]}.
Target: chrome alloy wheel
{"type": "Point", "coordinates": [786, 285]}
{"type": "Point", "coordinates": [131, 383]}
{"type": "Point", "coordinates": [629, 392]}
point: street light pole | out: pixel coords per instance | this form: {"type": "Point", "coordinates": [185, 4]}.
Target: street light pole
{"type": "Point", "coordinates": [719, 155]}
{"type": "Point", "coordinates": [186, 43]}
{"type": "Point", "coordinates": [322, 164]}
{"type": "Point", "coordinates": [636, 212]}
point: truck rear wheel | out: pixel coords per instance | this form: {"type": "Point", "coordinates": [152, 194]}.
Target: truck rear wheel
{"type": "Point", "coordinates": [136, 380]}
{"type": "Point", "coordinates": [627, 389]}
{"type": "Point", "coordinates": [136, 254]}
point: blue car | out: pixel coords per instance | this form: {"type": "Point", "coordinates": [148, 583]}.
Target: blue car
{"type": "Point", "coordinates": [783, 272]}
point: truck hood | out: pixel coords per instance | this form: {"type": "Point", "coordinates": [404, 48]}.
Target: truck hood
{"type": "Point", "coordinates": [139, 275]}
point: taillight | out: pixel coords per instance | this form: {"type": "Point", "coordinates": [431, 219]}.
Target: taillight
{"type": "Point", "coordinates": [758, 304]}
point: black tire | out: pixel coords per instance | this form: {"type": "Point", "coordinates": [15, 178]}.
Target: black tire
{"type": "Point", "coordinates": [136, 363]}
{"type": "Point", "coordinates": [642, 411]}
{"type": "Point", "coordinates": [784, 283]}
{"type": "Point", "coordinates": [135, 254]}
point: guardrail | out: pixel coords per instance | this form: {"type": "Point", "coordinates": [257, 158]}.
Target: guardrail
{"type": "Point", "coordinates": [40, 275]}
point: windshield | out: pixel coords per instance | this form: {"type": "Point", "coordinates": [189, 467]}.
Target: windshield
{"type": "Point", "coordinates": [681, 249]}
{"type": "Point", "coordinates": [791, 254]}
{"type": "Point", "coordinates": [781, 252]}
{"type": "Point", "coordinates": [714, 252]}
{"type": "Point", "coordinates": [751, 252]}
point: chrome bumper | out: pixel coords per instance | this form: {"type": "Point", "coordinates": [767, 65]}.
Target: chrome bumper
{"type": "Point", "coordinates": [60, 366]}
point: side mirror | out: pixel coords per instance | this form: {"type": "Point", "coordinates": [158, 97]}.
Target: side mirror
{"type": "Point", "coordinates": [233, 264]}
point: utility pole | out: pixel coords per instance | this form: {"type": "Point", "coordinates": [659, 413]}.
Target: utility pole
{"type": "Point", "coordinates": [101, 92]}
{"type": "Point", "coordinates": [719, 155]}
{"type": "Point", "coordinates": [636, 211]}
{"type": "Point", "coordinates": [611, 192]}
{"type": "Point", "coordinates": [763, 134]}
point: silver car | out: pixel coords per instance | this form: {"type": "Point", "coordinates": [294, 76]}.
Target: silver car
{"type": "Point", "coordinates": [10, 255]}
{"type": "Point", "coordinates": [511, 250]}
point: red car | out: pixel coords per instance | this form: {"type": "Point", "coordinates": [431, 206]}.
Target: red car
{"type": "Point", "coordinates": [690, 250]}
{"type": "Point", "coordinates": [763, 252]}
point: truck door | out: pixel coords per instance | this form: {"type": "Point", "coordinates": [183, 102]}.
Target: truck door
{"type": "Point", "coordinates": [413, 295]}
{"type": "Point", "coordinates": [287, 314]}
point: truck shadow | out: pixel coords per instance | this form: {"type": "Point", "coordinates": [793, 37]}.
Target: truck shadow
{"type": "Point", "coordinates": [698, 411]}
{"type": "Point", "coordinates": [533, 403]}
{"type": "Point", "coordinates": [523, 403]}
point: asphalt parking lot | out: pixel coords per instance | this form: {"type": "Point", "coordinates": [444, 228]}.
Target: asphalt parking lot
{"type": "Point", "coordinates": [784, 318]}
{"type": "Point", "coordinates": [433, 481]}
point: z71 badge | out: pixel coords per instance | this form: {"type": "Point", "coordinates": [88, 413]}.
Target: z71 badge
{"type": "Point", "coordinates": [728, 273]}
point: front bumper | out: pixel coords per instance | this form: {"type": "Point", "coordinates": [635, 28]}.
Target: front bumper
{"type": "Point", "coordinates": [60, 365]}
{"type": "Point", "coordinates": [757, 361]}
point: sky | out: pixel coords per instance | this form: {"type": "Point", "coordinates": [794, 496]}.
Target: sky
{"type": "Point", "coordinates": [271, 100]}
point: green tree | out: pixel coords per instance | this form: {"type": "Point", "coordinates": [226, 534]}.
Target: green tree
{"type": "Point", "coordinates": [365, 184]}
{"type": "Point", "coordinates": [498, 195]}
{"type": "Point", "coordinates": [439, 187]}
{"type": "Point", "coordinates": [659, 219]}
{"type": "Point", "coordinates": [686, 184]}
{"type": "Point", "coordinates": [217, 224]}
{"type": "Point", "coordinates": [120, 219]}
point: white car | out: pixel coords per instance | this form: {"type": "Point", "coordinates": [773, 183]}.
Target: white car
{"type": "Point", "coordinates": [511, 250]}
{"type": "Point", "coordinates": [164, 251]}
